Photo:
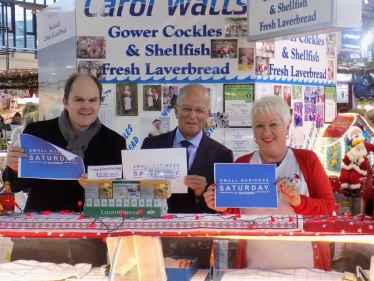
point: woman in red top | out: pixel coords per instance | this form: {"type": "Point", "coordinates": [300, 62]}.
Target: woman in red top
{"type": "Point", "coordinates": [303, 186]}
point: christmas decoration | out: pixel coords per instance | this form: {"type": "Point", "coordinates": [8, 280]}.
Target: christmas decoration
{"type": "Point", "coordinates": [19, 79]}
{"type": "Point", "coordinates": [354, 69]}
{"type": "Point", "coordinates": [355, 163]}
{"type": "Point", "coordinates": [7, 202]}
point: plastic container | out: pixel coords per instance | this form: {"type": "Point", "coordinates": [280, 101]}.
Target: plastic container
{"type": "Point", "coordinates": [182, 274]}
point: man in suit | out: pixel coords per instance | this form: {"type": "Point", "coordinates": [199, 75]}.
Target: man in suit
{"type": "Point", "coordinates": [192, 111]}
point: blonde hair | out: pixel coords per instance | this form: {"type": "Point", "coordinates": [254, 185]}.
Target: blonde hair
{"type": "Point", "coordinates": [32, 117]}
{"type": "Point", "coordinates": [29, 107]}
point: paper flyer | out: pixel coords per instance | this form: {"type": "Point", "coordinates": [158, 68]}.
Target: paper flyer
{"type": "Point", "coordinates": [240, 141]}
{"type": "Point", "coordinates": [238, 99]}
{"type": "Point", "coordinates": [47, 161]}
{"type": "Point", "coordinates": [136, 164]}
{"type": "Point", "coordinates": [245, 186]}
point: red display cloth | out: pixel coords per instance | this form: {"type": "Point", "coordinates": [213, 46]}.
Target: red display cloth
{"type": "Point", "coordinates": [339, 126]}
{"type": "Point", "coordinates": [182, 225]}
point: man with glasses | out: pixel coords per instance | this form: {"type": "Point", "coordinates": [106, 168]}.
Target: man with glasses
{"type": "Point", "coordinates": [192, 111]}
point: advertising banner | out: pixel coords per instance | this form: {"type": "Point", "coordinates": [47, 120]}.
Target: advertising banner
{"type": "Point", "coordinates": [47, 161]}
{"type": "Point", "coordinates": [309, 59]}
{"type": "Point", "coordinates": [166, 41]}
{"type": "Point", "coordinates": [280, 18]}
{"type": "Point", "coordinates": [190, 41]}
{"type": "Point", "coordinates": [269, 19]}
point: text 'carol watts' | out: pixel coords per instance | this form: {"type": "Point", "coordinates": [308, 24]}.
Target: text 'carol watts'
{"type": "Point", "coordinates": [137, 8]}
{"type": "Point", "coordinates": [113, 8]}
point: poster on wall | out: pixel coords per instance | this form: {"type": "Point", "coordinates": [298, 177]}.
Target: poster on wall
{"type": "Point", "coordinates": [342, 93]}
{"type": "Point", "coordinates": [127, 99]}
{"type": "Point", "coordinates": [218, 120]}
{"type": "Point", "coordinates": [238, 99]}
{"type": "Point", "coordinates": [106, 117]}
{"type": "Point", "coordinates": [240, 141]}
{"type": "Point", "coordinates": [262, 90]}
{"type": "Point", "coordinates": [152, 97]}
{"type": "Point", "coordinates": [330, 104]}
{"type": "Point", "coordinates": [169, 96]}
{"type": "Point", "coordinates": [154, 126]}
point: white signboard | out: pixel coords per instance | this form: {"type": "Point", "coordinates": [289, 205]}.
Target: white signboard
{"type": "Point", "coordinates": [56, 23]}
{"type": "Point", "coordinates": [136, 162]}
{"type": "Point", "coordinates": [297, 59]}
{"type": "Point", "coordinates": [279, 18]}
{"type": "Point", "coordinates": [104, 172]}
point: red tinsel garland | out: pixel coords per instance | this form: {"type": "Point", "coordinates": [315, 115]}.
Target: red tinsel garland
{"type": "Point", "coordinates": [19, 80]}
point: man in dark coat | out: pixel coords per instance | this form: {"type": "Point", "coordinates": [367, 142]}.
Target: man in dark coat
{"type": "Point", "coordinates": [192, 111]}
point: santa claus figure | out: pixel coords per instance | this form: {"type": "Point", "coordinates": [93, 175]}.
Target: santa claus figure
{"type": "Point", "coordinates": [355, 162]}
{"type": "Point", "coordinates": [296, 180]}
{"type": "Point", "coordinates": [354, 135]}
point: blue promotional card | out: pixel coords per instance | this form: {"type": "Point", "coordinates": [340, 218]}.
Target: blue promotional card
{"type": "Point", "coordinates": [47, 161]}
{"type": "Point", "coordinates": [245, 186]}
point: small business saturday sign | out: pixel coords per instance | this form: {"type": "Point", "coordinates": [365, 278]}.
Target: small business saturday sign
{"type": "Point", "coordinates": [156, 164]}
{"type": "Point", "coordinates": [245, 186]}
{"type": "Point", "coordinates": [47, 161]}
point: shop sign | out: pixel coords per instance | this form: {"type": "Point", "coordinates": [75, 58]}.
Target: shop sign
{"type": "Point", "coordinates": [280, 18]}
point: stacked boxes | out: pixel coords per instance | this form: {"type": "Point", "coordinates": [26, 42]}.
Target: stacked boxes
{"type": "Point", "coordinates": [107, 198]}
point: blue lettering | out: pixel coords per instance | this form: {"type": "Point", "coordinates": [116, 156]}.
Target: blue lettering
{"type": "Point", "coordinates": [115, 32]}
{"type": "Point", "coordinates": [129, 127]}
{"type": "Point", "coordinates": [165, 112]}
{"type": "Point", "coordinates": [129, 70]}
{"type": "Point", "coordinates": [312, 40]}
{"type": "Point", "coordinates": [133, 144]}
{"type": "Point", "coordinates": [200, 9]}
{"type": "Point", "coordinates": [127, 132]}
{"type": "Point", "coordinates": [87, 9]}
{"type": "Point", "coordinates": [170, 31]}
{"type": "Point", "coordinates": [183, 7]}
{"type": "Point", "coordinates": [109, 9]}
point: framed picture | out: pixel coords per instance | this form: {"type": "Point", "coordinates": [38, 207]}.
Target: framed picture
{"type": "Point", "coordinates": [330, 104]}
{"type": "Point", "coordinates": [342, 93]}
{"type": "Point", "coordinates": [237, 102]}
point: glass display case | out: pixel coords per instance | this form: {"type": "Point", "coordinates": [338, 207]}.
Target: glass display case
{"type": "Point", "coordinates": [221, 247]}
